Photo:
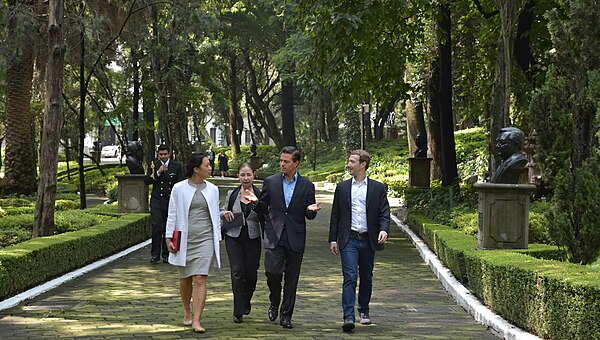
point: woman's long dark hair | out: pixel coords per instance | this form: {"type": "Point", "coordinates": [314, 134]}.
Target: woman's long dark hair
{"type": "Point", "coordinates": [194, 162]}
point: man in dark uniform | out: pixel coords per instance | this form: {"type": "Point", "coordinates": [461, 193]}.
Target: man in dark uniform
{"type": "Point", "coordinates": [162, 174]}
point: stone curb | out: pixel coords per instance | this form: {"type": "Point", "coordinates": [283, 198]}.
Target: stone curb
{"type": "Point", "coordinates": [461, 294]}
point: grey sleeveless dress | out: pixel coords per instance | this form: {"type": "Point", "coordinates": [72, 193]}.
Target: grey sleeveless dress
{"type": "Point", "coordinates": [200, 247]}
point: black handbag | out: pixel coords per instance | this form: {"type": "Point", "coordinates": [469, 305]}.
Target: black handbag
{"type": "Point", "coordinates": [238, 221]}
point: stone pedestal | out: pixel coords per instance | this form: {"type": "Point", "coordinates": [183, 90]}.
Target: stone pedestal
{"type": "Point", "coordinates": [503, 215]}
{"type": "Point", "coordinates": [418, 172]}
{"type": "Point", "coordinates": [133, 193]}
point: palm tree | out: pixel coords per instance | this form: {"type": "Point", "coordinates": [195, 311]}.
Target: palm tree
{"type": "Point", "coordinates": [20, 171]}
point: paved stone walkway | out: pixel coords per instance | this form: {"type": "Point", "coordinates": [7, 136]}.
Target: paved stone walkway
{"type": "Point", "coordinates": [131, 298]}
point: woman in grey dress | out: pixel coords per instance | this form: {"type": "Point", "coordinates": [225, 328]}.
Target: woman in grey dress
{"type": "Point", "coordinates": [243, 242]}
{"type": "Point", "coordinates": [194, 210]}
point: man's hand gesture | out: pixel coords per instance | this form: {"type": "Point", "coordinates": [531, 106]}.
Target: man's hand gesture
{"type": "Point", "coordinates": [314, 207]}
{"type": "Point", "coordinates": [250, 196]}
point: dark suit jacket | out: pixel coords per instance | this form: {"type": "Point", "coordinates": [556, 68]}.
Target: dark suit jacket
{"type": "Point", "coordinates": [378, 213]}
{"type": "Point", "coordinates": [509, 171]}
{"type": "Point", "coordinates": [163, 183]}
{"type": "Point", "coordinates": [272, 203]}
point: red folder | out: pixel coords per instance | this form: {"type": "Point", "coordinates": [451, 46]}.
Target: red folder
{"type": "Point", "coordinates": [176, 239]}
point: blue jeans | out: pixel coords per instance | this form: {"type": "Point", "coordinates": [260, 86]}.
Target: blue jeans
{"type": "Point", "coordinates": [357, 260]}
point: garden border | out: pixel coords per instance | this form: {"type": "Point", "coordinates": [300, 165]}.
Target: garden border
{"type": "Point", "coordinates": [30, 263]}
{"type": "Point", "coordinates": [549, 298]}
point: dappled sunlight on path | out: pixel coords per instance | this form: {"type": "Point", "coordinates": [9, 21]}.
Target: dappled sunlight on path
{"type": "Point", "coordinates": [132, 298]}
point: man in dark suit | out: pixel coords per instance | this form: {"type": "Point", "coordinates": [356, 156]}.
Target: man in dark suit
{"type": "Point", "coordinates": [359, 226]}
{"type": "Point", "coordinates": [162, 174]}
{"type": "Point", "coordinates": [287, 199]}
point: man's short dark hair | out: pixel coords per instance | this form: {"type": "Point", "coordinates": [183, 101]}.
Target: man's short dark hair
{"type": "Point", "coordinates": [163, 147]}
{"type": "Point", "coordinates": [291, 150]}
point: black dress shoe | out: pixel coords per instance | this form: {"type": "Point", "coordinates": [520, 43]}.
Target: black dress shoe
{"type": "Point", "coordinates": [237, 319]}
{"type": "Point", "coordinates": [273, 313]}
{"type": "Point", "coordinates": [286, 323]}
{"type": "Point", "coordinates": [165, 259]}
{"type": "Point", "coordinates": [155, 259]}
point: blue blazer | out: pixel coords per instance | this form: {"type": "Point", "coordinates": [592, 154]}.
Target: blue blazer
{"type": "Point", "coordinates": [378, 213]}
{"type": "Point", "coordinates": [271, 203]}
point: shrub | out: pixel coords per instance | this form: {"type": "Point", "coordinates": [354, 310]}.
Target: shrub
{"type": "Point", "coordinates": [61, 205]}
{"type": "Point", "coordinates": [16, 202]}
{"type": "Point", "coordinates": [574, 221]}
{"type": "Point", "coordinates": [2, 212]}
{"type": "Point", "coordinates": [12, 211]}
{"type": "Point", "coordinates": [554, 300]}
{"type": "Point", "coordinates": [75, 220]}
{"type": "Point", "coordinates": [32, 262]}
{"type": "Point", "coordinates": [112, 191]}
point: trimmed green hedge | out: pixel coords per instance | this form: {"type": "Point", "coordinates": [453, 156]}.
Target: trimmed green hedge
{"type": "Point", "coordinates": [32, 262]}
{"type": "Point", "coordinates": [553, 299]}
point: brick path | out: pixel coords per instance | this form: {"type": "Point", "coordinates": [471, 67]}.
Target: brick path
{"type": "Point", "coordinates": [130, 298]}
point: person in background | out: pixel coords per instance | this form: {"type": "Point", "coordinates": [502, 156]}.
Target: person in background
{"type": "Point", "coordinates": [287, 199]}
{"type": "Point", "coordinates": [194, 210]}
{"type": "Point", "coordinates": [162, 174]}
{"type": "Point", "coordinates": [223, 163]}
{"type": "Point", "coordinates": [359, 226]}
{"type": "Point", "coordinates": [211, 158]}
{"type": "Point", "coordinates": [243, 242]}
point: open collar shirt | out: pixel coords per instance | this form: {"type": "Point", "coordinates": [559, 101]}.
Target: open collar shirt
{"type": "Point", "coordinates": [288, 188]}
{"type": "Point", "coordinates": [358, 194]}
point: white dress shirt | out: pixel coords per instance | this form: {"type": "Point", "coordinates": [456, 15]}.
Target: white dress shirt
{"type": "Point", "coordinates": [358, 193]}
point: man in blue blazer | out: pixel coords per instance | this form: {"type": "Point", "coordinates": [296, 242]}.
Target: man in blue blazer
{"type": "Point", "coordinates": [359, 226]}
{"type": "Point", "coordinates": [287, 199]}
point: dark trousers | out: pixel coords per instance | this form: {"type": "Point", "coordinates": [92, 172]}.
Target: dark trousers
{"type": "Point", "coordinates": [357, 262]}
{"type": "Point", "coordinates": [279, 261]}
{"type": "Point", "coordinates": [244, 260]}
{"type": "Point", "coordinates": [158, 218]}
{"type": "Point", "coordinates": [212, 166]}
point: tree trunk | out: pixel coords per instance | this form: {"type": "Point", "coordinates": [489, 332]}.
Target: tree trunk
{"type": "Point", "coordinates": [82, 93]}
{"type": "Point", "coordinates": [234, 107]}
{"type": "Point", "coordinates": [287, 113]}
{"type": "Point", "coordinates": [148, 131]}
{"type": "Point", "coordinates": [43, 224]}
{"type": "Point", "coordinates": [135, 60]}
{"type": "Point", "coordinates": [261, 107]}
{"type": "Point", "coordinates": [522, 46]}
{"type": "Point", "coordinates": [435, 134]}
{"type": "Point", "coordinates": [367, 120]}
{"type": "Point", "coordinates": [449, 168]}
{"type": "Point", "coordinates": [19, 168]}
{"type": "Point", "coordinates": [501, 88]}
{"type": "Point", "coordinates": [415, 124]}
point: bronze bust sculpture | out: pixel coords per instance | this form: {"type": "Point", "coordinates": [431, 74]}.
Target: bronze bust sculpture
{"type": "Point", "coordinates": [509, 143]}
{"type": "Point", "coordinates": [134, 157]}
{"type": "Point", "coordinates": [421, 143]}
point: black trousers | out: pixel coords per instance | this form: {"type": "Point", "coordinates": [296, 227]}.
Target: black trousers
{"type": "Point", "coordinates": [280, 261]}
{"type": "Point", "coordinates": [244, 260]}
{"type": "Point", "coordinates": [158, 218]}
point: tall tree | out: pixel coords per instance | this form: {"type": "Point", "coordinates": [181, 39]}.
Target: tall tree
{"type": "Point", "coordinates": [19, 167]}
{"type": "Point", "coordinates": [501, 91]}
{"type": "Point", "coordinates": [43, 224]}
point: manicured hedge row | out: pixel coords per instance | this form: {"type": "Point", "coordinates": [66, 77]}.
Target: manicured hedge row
{"type": "Point", "coordinates": [32, 262]}
{"type": "Point", "coordinates": [552, 299]}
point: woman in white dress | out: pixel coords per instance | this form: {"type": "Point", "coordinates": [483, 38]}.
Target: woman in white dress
{"type": "Point", "coordinates": [194, 210]}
